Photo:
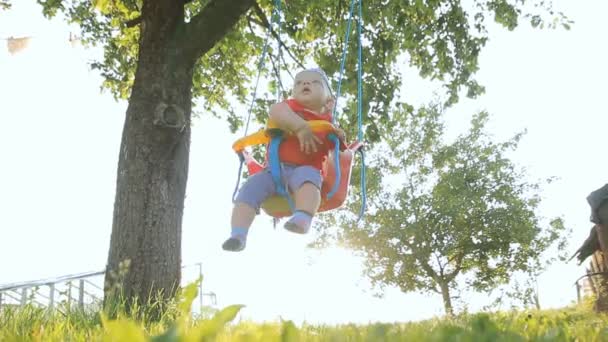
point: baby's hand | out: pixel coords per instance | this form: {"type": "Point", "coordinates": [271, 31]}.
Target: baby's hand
{"type": "Point", "coordinates": [308, 140]}
{"type": "Point", "coordinates": [340, 133]}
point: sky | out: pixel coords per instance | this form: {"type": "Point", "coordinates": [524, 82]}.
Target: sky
{"type": "Point", "coordinates": [60, 137]}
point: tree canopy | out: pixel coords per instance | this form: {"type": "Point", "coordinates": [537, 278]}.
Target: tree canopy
{"type": "Point", "coordinates": [442, 39]}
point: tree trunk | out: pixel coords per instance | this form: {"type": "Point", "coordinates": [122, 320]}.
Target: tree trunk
{"type": "Point", "coordinates": [536, 300]}
{"type": "Point", "coordinates": [153, 164]}
{"type": "Point", "coordinates": [447, 300]}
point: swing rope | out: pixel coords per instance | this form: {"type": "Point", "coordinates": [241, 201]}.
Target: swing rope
{"type": "Point", "coordinates": [333, 137]}
{"type": "Point", "coordinates": [274, 20]}
{"type": "Point", "coordinates": [360, 113]}
{"type": "Point", "coordinates": [359, 99]}
{"type": "Point", "coordinates": [344, 52]}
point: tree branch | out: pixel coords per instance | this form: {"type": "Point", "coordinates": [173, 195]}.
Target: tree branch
{"type": "Point", "coordinates": [450, 276]}
{"type": "Point", "coordinates": [265, 23]}
{"type": "Point", "coordinates": [429, 271]}
{"type": "Point", "coordinates": [287, 69]}
{"type": "Point", "coordinates": [439, 264]}
{"type": "Point", "coordinates": [133, 22]}
{"type": "Point", "coordinates": [278, 74]}
{"type": "Point", "coordinates": [137, 20]}
{"type": "Point", "coordinates": [282, 55]}
{"type": "Point", "coordinates": [209, 26]}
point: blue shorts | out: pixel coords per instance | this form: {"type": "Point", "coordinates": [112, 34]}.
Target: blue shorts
{"type": "Point", "coordinates": [260, 186]}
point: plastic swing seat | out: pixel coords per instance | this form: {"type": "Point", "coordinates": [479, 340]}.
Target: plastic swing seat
{"type": "Point", "coordinates": [278, 206]}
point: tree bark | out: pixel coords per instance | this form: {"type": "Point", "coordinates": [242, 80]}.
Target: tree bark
{"type": "Point", "coordinates": [153, 165]}
{"type": "Point", "coordinates": [447, 300]}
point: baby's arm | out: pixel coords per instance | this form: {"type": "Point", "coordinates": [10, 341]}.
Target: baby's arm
{"type": "Point", "coordinates": [287, 119]}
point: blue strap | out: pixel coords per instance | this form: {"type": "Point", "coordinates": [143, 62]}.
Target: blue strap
{"type": "Point", "coordinates": [275, 169]}
{"type": "Point", "coordinates": [337, 180]}
{"type": "Point", "coordinates": [363, 185]}
{"type": "Point", "coordinates": [275, 164]}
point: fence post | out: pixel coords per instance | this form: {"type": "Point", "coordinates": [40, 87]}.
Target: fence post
{"type": "Point", "coordinates": [23, 296]}
{"type": "Point", "coordinates": [51, 297]}
{"type": "Point", "coordinates": [69, 292]}
{"type": "Point", "coordinates": [81, 295]}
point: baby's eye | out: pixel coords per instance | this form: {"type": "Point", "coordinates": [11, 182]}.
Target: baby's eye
{"type": "Point", "coordinates": [316, 81]}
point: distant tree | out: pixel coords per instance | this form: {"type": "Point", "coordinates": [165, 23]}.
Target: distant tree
{"type": "Point", "coordinates": [441, 211]}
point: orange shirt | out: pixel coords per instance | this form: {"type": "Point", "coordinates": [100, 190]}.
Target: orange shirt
{"type": "Point", "coordinates": [289, 150]}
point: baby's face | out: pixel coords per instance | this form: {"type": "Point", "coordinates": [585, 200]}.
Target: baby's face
{"type": "Point", "coordinates": [310, 90]}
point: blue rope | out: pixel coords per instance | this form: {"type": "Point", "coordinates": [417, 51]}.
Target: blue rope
{"type": "Point", "coordinates": [360, 77]}
{"type": "Point", "coordinates": [279, 84]}
{"type": "Point", "coordinates": [360, 113]}
{"type": "Point", "coordinates": [275, 18]}
{"type": "Point", "coordinates": [274, 160]}
{"type": "Point", "coordinates": [359, 99]}
{"type": "Point", "coordinates": [344, 52]}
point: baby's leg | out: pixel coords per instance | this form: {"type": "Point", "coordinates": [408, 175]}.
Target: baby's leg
{"type": "Point", "coordinates": [308, 198]}
{"type": "Point", "coordinates": [242, 215]}
{"type": "Point", "coordinates": [247, 204]}
{"type": "Point", "coordinates": [306, 180]}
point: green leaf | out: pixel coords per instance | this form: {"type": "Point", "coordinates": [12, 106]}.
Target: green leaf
{"type": "Point", "coordinates": [535, 21]}
{"type": "Point", "coordinates": [208, 329]}
{"type": "Point", "coordinates": [102, 5]}
{"type": "Point", "coordinates": [187, 296]}
{"type": "Point", "coordinates": [170, 335]}
{"type": "Point", "coordinates": [289, 332]}
{"type": "Point", "coordinates": [227, 314]}
{"type": "Point", "coordinates": [5, 4]}
{"type": "Point", "coordinates": [122, 330]}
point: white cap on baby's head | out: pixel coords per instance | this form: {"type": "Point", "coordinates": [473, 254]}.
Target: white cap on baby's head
{"type": "Point", "coordinates": [324, 76]}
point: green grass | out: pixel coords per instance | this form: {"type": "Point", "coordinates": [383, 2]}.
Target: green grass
{"type": "Point", "coordinates": [570, 324]}
{"type": "Point", "coordinates": [35, 324]}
